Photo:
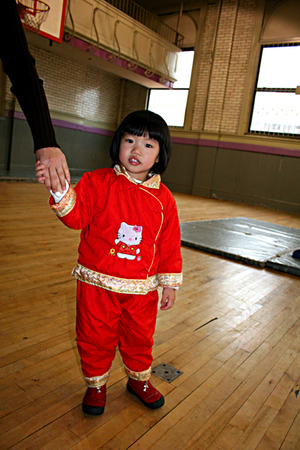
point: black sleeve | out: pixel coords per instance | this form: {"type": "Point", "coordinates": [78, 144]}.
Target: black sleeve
{"type": "Point", "coordinates": [19, 65]}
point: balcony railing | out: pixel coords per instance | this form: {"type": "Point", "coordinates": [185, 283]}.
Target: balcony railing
{"type": "Point", "coordinates": [143, 16]}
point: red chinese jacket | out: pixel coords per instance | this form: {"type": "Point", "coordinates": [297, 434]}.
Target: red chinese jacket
{"type": "Point", "coordinates": [130, 238]}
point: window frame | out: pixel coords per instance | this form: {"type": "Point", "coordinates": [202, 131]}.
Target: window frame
{"type": "Point", "coordinates": [264, 89]}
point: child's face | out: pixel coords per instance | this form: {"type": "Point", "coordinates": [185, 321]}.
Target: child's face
{"type": "Point", "coordinates": [138, 154]}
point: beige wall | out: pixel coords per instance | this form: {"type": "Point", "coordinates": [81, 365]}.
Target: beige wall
{"type": "Point", "coordinates": [222, 70]}
{"type": "Point", "coordinates": [223, 65]}
{"type": "Point", "coordinates": [81, 93]}
{"type": "Point", "coordinates": [227, 59]}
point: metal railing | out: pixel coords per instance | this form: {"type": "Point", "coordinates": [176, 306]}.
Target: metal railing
{"type": "Point", "coordinates": [143, 16]}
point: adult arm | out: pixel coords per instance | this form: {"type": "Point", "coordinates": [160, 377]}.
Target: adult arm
{"type": "Point", "coordinates": [19, 65]}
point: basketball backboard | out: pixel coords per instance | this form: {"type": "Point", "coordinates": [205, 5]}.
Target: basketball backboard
{"type": "Point", "coordinates": [45, 17]}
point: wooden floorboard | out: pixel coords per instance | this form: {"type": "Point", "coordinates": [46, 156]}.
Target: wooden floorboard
{"type": "Point", "coordinates": [234, 332]}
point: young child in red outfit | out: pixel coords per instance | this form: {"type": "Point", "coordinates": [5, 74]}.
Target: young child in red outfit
{"type": "Point", "coordinates": [129, 246]}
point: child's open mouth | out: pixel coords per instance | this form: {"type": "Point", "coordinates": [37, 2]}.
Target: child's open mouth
{"type": "Point", "coordinates": [134, 161]}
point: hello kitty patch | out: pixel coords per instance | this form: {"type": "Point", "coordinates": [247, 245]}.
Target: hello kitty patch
{"type": "Point", "coordinates": [129, 237]}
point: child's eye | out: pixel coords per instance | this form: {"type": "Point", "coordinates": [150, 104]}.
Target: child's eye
{"type": "Point", "coordinates": [129, 140]}
{"type": "Point", "coordinates": [149, 145]}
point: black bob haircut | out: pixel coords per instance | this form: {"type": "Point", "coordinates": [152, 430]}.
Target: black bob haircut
{"type": "Point", "coordinates": [138, 123]}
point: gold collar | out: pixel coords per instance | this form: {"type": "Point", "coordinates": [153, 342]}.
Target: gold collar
{"type": "Point", "coordinates": [153, 182]}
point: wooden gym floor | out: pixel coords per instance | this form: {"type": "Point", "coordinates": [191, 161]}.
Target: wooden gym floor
{"type": "Point", "coordinates": [240, 383]}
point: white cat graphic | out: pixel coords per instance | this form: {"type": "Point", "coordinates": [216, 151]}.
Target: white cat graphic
{"type": "Point", "coordinates": [129, 236]}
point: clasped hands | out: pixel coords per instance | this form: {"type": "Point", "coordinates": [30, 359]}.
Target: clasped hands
{"type": "Point", "coordinates": [51, 169]}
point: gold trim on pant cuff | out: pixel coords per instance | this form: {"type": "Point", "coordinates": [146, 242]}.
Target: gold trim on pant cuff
{"type": "Point", "coordinates": [97, 381]}
{"type": "Point", "coordinates": [139, 376]}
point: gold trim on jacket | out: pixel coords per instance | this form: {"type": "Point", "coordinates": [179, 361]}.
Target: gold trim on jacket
{"type": "Point", "coordinates": [152, 182]}
{"type": "Point", "coordinates": [66, 204]}
{"type": "Point", "coordinates": [126, 286]}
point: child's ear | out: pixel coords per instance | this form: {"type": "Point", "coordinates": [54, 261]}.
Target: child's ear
{"type": "Point", "coordinates": [157, 159]}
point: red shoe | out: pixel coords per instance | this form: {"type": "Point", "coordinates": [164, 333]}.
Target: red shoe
{"type": "Point", "coordinates": [94, 401]}
{"type": "Point", "coordinates": [145, 392]}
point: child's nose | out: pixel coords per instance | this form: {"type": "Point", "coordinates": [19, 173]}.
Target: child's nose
{"type": "Point", "coordinates": [136, 148]}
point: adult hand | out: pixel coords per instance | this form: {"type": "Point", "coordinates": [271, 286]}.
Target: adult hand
{"type": "Point", "coordinates": [56, 169]}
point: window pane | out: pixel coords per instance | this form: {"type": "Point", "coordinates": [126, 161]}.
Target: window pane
{"type": "Point", "coordinates": [169, 104]}
{"type": "Point", "coordinates": [276, 112]}
{"type": "Point", "coordinates": [184, 69]}
{"type": "Point", "coordinates": [280, 67]}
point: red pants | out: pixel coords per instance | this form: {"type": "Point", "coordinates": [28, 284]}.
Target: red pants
{"type": "Point", "coordinates": [106, 320]}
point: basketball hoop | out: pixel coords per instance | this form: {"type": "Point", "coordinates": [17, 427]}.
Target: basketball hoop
{"type": "Point", "coordinates": [33, 13]}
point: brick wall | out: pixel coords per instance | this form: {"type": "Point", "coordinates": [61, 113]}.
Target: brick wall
{"type": "Point", "coordinates": [134, 98]}
{"type": "Point", "coordinates": [76, 90]}
{"type": "Point", "coordinates": [204, 67]}
{"type": "Point", "coordinates": [223, 65]}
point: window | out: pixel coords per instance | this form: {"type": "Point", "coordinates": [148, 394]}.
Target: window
{"type": "Point", "coordinates": [276, 107]}
{"type": "Point", "coordinates": [171, 103]}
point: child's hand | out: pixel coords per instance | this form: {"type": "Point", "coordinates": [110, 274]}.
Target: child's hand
{"type": "Point", "coordinates": [40, 172]}
{"type": "Point", "coordinates": [167, 298]}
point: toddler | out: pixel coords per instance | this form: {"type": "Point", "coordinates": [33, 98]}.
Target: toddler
{"type": "Point", "coordinates": [129, 246]}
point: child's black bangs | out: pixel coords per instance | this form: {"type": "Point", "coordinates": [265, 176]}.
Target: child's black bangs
{"type": "Point", "coordinates": [144, 122]}
{"type": "Point", "coordinates": [136, 129]}
{"type": "Point", "coordinates": [141, 130]}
